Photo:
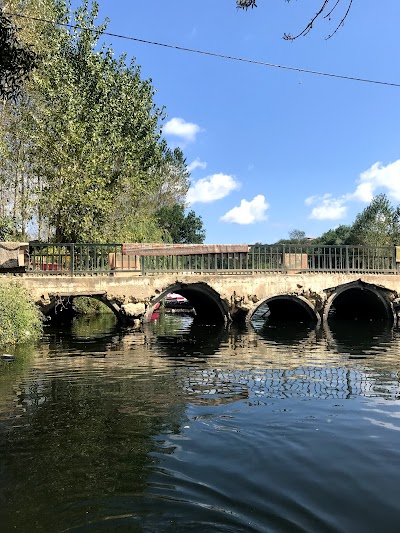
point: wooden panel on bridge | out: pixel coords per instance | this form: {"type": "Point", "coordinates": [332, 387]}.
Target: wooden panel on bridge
{"type": "Point", "coordinates": [119, 262]}
{"type": "Point", "coordinates": [161, 249]}
{"type": "Point", "coordinates": [295, 263]}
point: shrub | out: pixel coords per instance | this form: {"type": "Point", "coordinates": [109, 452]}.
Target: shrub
{"type": "Point", "coordinates": [20, 319]}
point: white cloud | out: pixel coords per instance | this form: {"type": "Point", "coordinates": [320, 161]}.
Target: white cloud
{"type": "Point", "coordinates": [178, 127]}
{"type": "Point", "coordinates": [211, 188]}
{"type": "Point", "coordinates": [311, 200]}
{"type": "Point", "coordinates": [377, 177]}
{"type": "Point", "coordinates": [364, 192]}
{"type": "Point", "coordinates": [248, 212]}
{"type": "Point", "coordinates": [196, 164]}
{"type": "Point", "coordinates": [329, 208]}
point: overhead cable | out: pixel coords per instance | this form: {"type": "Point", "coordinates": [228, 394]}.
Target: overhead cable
{"type": "Point", "coordinates": [215, 54]}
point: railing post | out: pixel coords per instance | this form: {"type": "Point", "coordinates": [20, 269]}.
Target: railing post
{"type": "Point", "coordinates": [347, 259]}
{"type": "Point", "coordinates": [72, 253]}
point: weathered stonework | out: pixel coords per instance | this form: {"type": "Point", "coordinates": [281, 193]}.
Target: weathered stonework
{"type": "Point", "coordinates": [233, 296]}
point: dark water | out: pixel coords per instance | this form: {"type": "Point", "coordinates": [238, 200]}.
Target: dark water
{"type": "Point", "coordinates": [196, 428]}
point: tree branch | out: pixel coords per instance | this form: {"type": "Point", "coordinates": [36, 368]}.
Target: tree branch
{"type": "Point", "coordinates": [342, 21]}
{"type": "Point", "coordinates": [250, 4]}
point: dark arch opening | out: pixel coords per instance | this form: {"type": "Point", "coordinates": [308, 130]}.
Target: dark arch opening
{"type": "Point", "coordinates": [285, 308]}
{"type": "Point", "coordinates": [207, 303]}
{"type": "Point", "coordinates": [63, 310]}
{"type": "Point", "coordinates": [359, 303]}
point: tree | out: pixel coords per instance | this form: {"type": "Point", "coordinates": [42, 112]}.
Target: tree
{"type": "Point", "coordinates": [16, 60]}
{"type": "Point", "coordinates": [18, 183]}
{"type": "Point", "coordinates": [296, 236]}
{"type": "Point", "coordinates": [6, 228]}
{"type": "Point", "coordinates": [95, 119]}
{"type": "Point", "coordinates": [325, 11]}
{"type": "Point", "coordinates": [335, 237]}
{"type": "Point", "coordinates": [82, 156]}
{"type": "Point", "coordinates": [171, 178]}
{"type": "Point", "coordinates": [184, 229]}
{"type": "Point", "coordinates": [377, 225]}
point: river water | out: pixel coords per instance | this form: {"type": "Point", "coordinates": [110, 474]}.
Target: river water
{"type": "Point", "coordinates": [184, 428]}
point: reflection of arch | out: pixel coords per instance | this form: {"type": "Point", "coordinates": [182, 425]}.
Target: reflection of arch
{"type": "Point", "coordinates": [206, 301]}
{"type": "Point", "coordinates": [360, 300]}
{"type": "Point", "coordinates": [101, 297]}
{"type": "Point", "coordinates": [288, 307]}
{"type": "Point", "coordinates": [198, 341]}
{"type": "Point", "coordinates": [358, 341]}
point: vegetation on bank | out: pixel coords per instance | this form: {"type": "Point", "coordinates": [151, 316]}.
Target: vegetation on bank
{"type": "Point", "coordinates": [20, 318]}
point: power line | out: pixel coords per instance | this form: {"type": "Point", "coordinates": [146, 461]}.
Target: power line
{"type": "Point", "coordinates": [215, 54]}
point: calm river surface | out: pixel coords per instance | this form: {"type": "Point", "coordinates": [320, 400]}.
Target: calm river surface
{"type": "Point", "coordinates": [198, 428]}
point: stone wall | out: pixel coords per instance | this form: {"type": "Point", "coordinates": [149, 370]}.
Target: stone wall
{"type": "Point", "coordinates": [13, 256]}
{"type": "Point", "coordinates": [237, 292]}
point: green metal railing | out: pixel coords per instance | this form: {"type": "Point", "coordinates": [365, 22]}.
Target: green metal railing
{"type": "Point", "coordinates": [82, 259]}
{"type": "Point", "coordinates": [79, 259]}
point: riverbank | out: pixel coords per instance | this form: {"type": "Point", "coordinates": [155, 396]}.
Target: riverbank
{"type": "Point", "coordinates": [20, 319]}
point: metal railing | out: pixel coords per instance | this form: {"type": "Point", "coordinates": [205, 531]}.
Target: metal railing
{"type": "Point", "coordinates": [80, 259]}
{"type": "Point", "coordinates": [287, 259]}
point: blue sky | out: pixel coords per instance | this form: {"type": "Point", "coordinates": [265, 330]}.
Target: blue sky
{"type": "Point", "coordinates": [272, 150]}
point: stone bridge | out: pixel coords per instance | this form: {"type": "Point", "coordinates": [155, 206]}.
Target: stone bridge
{"type": "Point", "coordinates": [228, 297]}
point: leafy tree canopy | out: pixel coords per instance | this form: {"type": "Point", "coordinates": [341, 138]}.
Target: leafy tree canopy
{"type": "Point", "coordinates": [377, 225]}
{"type": "Point", "coordinates": [82, 158]}
{"type": "Point", "coordinates": [16, 60]}
{"type": "Point", "coordinates": [336, 237]}
{"type": "Point", "coordinates": [296, 236]}
{"type": "Point", "coordinates": [183, 229]}
{"type": "Point", "coordinates": [6, 228]}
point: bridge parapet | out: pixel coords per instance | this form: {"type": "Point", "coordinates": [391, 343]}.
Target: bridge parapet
{"type": "Point", "coordinates": [70, 259]}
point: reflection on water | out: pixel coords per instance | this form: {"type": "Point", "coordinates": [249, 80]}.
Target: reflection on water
{"type": "Point", "coordinates": [182, 427]}
{"type": "Point", "coordinates": [360, 338]}
{"type": "Point", "coordinates": [286, 333]}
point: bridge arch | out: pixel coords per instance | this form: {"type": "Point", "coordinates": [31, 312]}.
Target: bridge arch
{"type": "Point", "coordinates": [205, 300]}
{"type": "Point", "coordinates": [287, 307]}
{"type": "Point", "coordinates": [359, 300]}
{"type": "Point", "coordinates": [61, 299]}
